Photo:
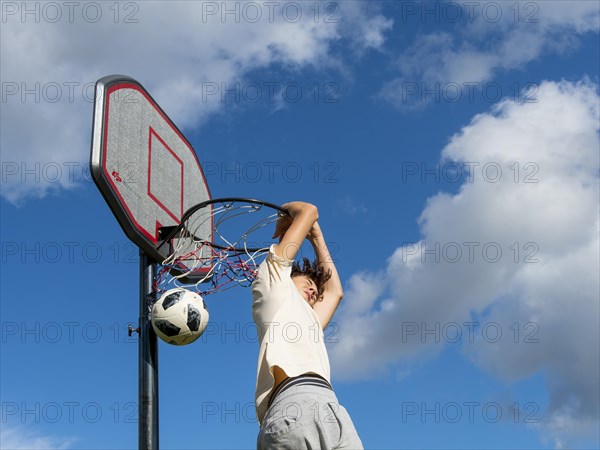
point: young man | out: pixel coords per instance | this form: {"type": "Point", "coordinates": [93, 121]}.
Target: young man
{"type": "Point", "coordinates": [295, 404]}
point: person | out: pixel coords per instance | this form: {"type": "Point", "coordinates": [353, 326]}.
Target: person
{"type": "Point", "coordinates": [292, 304]}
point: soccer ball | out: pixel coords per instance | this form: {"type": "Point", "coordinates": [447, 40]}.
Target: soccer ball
{"type": "Point", "coordinates": [179, 316]}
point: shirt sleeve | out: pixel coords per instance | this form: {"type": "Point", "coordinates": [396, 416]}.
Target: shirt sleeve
{"type": "Point", "coordinates": [271, 287]}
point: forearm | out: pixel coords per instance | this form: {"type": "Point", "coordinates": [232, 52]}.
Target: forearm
{"type": "Point", "coordinates": [325, 261]}
{"type": "Point", "coordinates": [304, 216]}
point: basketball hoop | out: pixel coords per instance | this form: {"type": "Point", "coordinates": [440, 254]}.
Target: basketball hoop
{"type": "Point", "coordinates": [241, 236]}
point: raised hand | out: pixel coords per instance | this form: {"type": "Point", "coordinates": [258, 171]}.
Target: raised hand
{"type": "Point", "coordinates": [282, 225]}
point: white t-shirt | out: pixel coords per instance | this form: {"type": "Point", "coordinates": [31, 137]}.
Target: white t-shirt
{"type": "Point", "coordinates": [289, 331]}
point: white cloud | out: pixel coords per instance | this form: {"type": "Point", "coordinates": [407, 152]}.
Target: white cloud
{"type": "Point", "coordinates": [178, 51]}
{"type": "Point", "coordinates": [487, 46]}
{"type": "Point", "coordinates": [554, 220]}
{"type": "Point", "coordinates": [16, 438]}
{"type": "Point", "coordinates": [364, 24]}
{"type": "Point", "coordinates": [352, 207]}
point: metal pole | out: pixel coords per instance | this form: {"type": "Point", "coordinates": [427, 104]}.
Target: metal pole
{"type": "Point", "coordinates": [148, 361]}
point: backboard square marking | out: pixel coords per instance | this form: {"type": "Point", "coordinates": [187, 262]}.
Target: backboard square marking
{"type": "Point", "coordinates": [165, 169]}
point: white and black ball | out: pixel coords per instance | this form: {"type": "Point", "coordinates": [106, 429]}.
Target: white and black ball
{"type": "Point", "coordinates": [179, 316]}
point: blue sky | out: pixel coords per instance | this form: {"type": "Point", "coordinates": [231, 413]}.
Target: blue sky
{"type": "Point", "coordinates": [470, 317]}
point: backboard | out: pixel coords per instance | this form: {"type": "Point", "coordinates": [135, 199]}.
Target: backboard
{"type": "Point", "coordinates": [145, 168]}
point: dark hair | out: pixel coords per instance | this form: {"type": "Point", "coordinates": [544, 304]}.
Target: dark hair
{"type": "Point", "coordinates": [313, 271]}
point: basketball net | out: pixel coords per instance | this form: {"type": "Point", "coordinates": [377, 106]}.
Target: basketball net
{"type": "Point", "coordinates": [241, 238]}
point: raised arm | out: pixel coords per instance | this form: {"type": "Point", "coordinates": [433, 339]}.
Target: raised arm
{"type": "Point", "coordinates": [293, 230]}
{"type": "Point", "coordinates": [332, 292]}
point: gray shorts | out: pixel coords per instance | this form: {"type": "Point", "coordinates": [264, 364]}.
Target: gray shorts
{"type": "Point", "coordinates": [307, 417]}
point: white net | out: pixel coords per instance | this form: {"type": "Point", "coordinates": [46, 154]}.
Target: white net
{"type": "Point", "coordinates": [242, 232]}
